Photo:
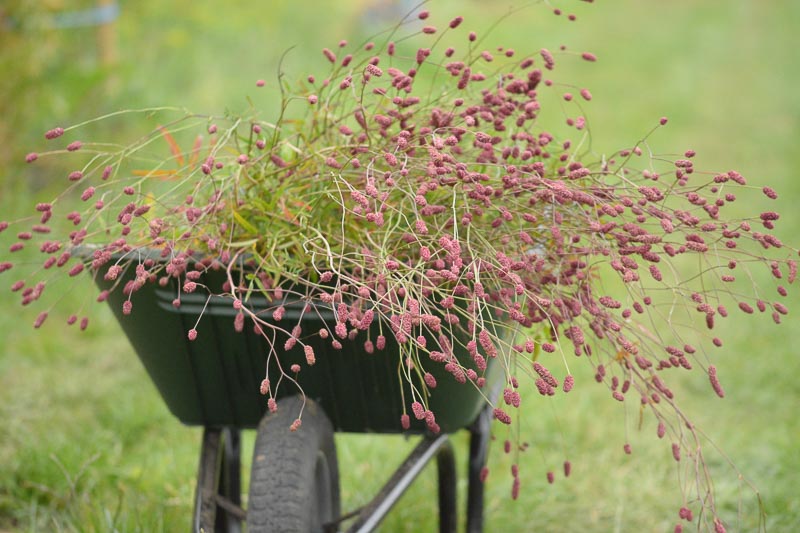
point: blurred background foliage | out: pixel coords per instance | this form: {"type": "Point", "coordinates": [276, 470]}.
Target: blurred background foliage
{"type": "Point", "coordinates": [87, 444]}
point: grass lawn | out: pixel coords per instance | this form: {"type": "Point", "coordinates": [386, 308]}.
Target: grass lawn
{"type": "Point", "coordinates": [87, 444]}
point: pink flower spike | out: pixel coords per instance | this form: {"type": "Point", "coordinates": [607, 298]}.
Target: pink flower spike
{"type": "Point", "coordinates": [75, 270]}
{"type": "Point", "coordinates": [31, 157]}
{"type": "Point", "coordinates": [192, 335]}
{"type": "Point", "coordinates": [312, 99]}
{"type": "Point", "coordinates": [588, 56]}
{"type": "Point", "coordinates": [309, 353]}
{"type": "Point", "coordinates": [502, 416]}
{"type": "Point", "coordinates": [769, 192]}
{"type": "Point", "coordinates": [74, 146]}
{"type": "Point", "coordinates": [260, 83]}
{"type": "Point", "coordinates": [715, 384]}
{"type": "Point", "coordinates": [40, 319]}
{"type": "Point", "coordinates": [55, 132]}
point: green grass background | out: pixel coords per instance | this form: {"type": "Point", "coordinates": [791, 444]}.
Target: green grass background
{"type": "Point", "coordinates": [86, 443]}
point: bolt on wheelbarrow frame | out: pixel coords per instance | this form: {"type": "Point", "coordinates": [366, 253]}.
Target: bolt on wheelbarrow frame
{"type": "Point", "coordinates": [214, 381]}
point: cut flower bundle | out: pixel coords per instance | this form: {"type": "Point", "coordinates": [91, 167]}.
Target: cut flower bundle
{"type": "Point", "coordinates": [414, 192]}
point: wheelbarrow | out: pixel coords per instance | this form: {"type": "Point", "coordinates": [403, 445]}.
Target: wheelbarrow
{"type": "Point", "coordinates": [214, 382]}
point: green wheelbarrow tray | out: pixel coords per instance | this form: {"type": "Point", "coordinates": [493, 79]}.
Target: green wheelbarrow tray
{"type": "Point", "coordinates": [214, 380]}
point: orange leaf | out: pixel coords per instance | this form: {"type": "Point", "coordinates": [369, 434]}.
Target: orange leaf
{"type": "Point", "coordinates": [162, 174]}
{"type": "Point", "coordinates": [173, 145]}
{"type": "Point", "coordinates": [195, 155]}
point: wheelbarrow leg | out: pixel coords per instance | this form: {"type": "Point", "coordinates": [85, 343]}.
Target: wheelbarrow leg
{"type": "Point", "coordinates": [218, 493]}
{"type": "Point", "coordinates": [478, 450]}
{"type": "Point", "coordinates": [446, 466]}
{"type": "Point", "coordinates": [231, 484]}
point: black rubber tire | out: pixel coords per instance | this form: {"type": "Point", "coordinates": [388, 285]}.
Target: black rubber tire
{"type": "Point", "coordinates": [294, 481]}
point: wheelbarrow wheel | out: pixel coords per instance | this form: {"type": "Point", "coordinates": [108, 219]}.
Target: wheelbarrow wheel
{"type": "Point", "coordinates": [294, 481]}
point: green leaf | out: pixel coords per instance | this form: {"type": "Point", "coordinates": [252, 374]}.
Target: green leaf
{"type": "Point", "coordinates": [244, 223]}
